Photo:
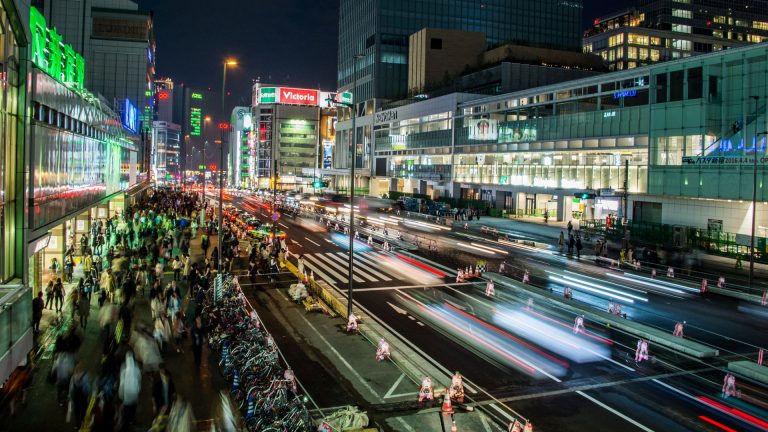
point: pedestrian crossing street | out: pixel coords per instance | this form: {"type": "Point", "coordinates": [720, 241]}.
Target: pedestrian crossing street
{"type": "Point", "coordinates": [369, 267]}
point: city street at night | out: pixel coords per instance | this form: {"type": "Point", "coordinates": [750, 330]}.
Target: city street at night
{"type": "Point", "coordinates": [384, 216]}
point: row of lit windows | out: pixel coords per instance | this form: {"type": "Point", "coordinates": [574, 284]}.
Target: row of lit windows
{"type": "Point", "coordinates": [50, 116]}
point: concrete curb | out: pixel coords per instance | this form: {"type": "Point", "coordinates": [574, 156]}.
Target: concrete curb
{"type": "Point", "coordinates": [750, 370]}
{"type": "Point", "coordinates": [405, 358]}
{"type": "Point", "coordinates": [656, 336]}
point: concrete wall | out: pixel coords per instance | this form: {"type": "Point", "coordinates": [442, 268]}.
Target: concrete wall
{"type": "Point", "coordinates": [430, 67]}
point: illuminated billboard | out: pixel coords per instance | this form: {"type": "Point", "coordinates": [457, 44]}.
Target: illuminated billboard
{"type": "Point", "coordinates": [483, 129]}
{"type": "Point", "coordinates": [195, 121]}
{"type": "Point", "coordinates": [53, 56]}
{"type": "Point", "coordinates": [298, 96]}
{"type": "Point", "coordinates": [130, 116]}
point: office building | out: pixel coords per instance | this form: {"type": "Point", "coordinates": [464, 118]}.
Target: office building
{"type": "Point", "coordinates": [116, 40]}
{"type": "Point", "coordinates": [661, 30]}
{"type": "Point", "coordinates": [166, 155]}
{"type": "Point", "coordinates": [290, 126]}
{"type": "Point", "coordinates": [241, 161]}
{"type": "Point", "coordinates": [667, 144]}
{"type": "Point", "coordinates": [379, 31]}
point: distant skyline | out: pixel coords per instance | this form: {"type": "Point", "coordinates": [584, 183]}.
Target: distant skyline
{"type": "Point", "coordinates": [288, 41]}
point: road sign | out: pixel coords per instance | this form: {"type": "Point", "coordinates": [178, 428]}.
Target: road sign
{"type": "Point", "coordinates": [275, 216]}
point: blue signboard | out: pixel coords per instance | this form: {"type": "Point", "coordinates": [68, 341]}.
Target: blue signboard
{"type": "Point", "coordinates": [624, 93]}
{"type": "Point", "coordinates": [130, 116]}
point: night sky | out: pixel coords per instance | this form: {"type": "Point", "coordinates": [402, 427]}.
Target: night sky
{"type": "Point", "coordinates": [283, 41]}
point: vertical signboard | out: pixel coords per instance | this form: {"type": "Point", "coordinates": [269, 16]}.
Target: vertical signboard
{"type": "Point", "coordinates": [195, 120]}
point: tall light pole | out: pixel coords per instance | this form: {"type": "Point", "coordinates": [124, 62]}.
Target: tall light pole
{"type": "Point", "coordinates": [228, 62]}
{"type": "Point", "coordinates": [223, 126]}
{"type": "Point", "coordinates": [205, 162]}
{"type": "Point", "coordinates": [754, 196]}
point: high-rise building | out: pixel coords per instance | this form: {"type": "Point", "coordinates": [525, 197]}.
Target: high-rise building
{"type": "Point", "coordinates": [661, 30]}
{"type": "Point", "coordinates": [379, 30]}
{"type": "Point", "coordinates": [166, 155]}
{"type": "Point", "coordinates": [116, 40]}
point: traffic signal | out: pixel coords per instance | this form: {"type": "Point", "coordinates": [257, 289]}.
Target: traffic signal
{"type": "Point", "coordinates": [584, 195]}
{"type": "Point", "coordinates": [317, 184]}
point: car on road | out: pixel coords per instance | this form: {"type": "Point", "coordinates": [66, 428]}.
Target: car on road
{"type": "Point", "coordinates": [266, 231]}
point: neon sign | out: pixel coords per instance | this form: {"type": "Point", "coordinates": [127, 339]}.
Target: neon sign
{"type": "Point", "coordinates": [197, 96]}
{"type": "Point", "coordinates": [163, 95]}
{"type": "Point", "coordinates": [130, 116]}
{"type": "Point", "coordinates": [195, 119]}
{"type": "Point", "coordinates": [624, 93]}
{"type": "Point", "coordinates": [53, 56]}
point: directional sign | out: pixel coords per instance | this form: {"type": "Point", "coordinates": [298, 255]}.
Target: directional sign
{"type": "Point", "coordinates": [275, 216]}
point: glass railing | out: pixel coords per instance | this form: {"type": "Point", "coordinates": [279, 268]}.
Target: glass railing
{"type": "Point", "coordinates": [424, 172]}
{"type": "Point", "coordinates": [15, 327]}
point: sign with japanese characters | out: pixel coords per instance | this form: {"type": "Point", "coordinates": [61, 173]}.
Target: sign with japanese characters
{"type": "Point", "coordinates": [52, 55]}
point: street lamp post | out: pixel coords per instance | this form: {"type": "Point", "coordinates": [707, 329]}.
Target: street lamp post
{"type": "Point", "coordinates": [754, 198]}
{"type": "Point", "coordinates": [205, 162]}
{"type": "Point", "coordinates": [228, 62]}
{"type": "Point", "coordinates": [223, 126]}
{"type": "Point", "coordinates": [353, 150]}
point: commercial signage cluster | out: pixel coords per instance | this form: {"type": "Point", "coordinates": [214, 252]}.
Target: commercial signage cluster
{"type": "Point", "coordinates": [52, 55]}
{"type": "Point", "coordinates": [298, 96]}
{"type": "Point", "coordinates": [195, 120]}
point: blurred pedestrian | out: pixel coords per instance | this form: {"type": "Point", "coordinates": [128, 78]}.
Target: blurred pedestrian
{"type": "Point", "coordinates": [37, 311]}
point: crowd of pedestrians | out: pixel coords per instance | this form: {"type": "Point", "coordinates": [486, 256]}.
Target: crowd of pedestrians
{"type": "Point", "coordinates": [123, 265]}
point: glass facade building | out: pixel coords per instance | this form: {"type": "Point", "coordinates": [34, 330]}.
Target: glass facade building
{"type": "Point", "coordinates": [671, 143]}
{"type": "Point", "coordinates": [661, 30]}
{"type": "Point", "coordinates": [379, 29]}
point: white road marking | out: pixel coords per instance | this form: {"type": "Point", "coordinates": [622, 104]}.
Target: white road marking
{"type": "Point", "coordinates": [316, 265]}
{"type": "Point", "coordinates": [326, 260]}
{"type": "Point", "coordinates": [283, 225]}
{"type": "Point", "coordinates": [394, 386]}
{"type": "Point", "coordinates": [357, 268]}
{"type": "Point", "coordinates": [369, 268]}
{"type": "Point", "coordinates": [316, 244]}
{"type": "Point", "coordinates": [618, 413]}
{"type": "Point", "coordinates": [343, 360]}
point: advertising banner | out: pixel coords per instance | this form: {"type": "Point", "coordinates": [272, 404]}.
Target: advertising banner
{"type": "Point", "coordinates": [296, 96]}
{"type": "Point", "coordinates": [483, 129]}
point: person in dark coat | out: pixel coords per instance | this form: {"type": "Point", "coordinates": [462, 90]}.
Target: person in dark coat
{"type": "Point", "coordinates": [163, 390]}
{"type": "Point", "coordinates": [38, 304]}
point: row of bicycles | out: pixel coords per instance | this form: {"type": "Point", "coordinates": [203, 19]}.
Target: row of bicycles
{"type": "Point", "coordinates": [261, 387]}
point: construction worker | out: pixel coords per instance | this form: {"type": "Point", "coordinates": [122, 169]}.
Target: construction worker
{"type": "Point", "coordinates": [370, 240]}
{"type": "Point", "coordinates": [704, 285]}
{"type": "Point", "coordinates": [489, 289]}
{"type": "Point", "coordinates": [729, 385]}
{"type": "Point", "coordinates": [456, 391]}
{"type": "Point", "coordinates": [653, 273]}
{"type": "Point", "coordinates": [460, 276]}
{"type": "Point", "coordinates": [641, 353]}
{"type": "Point", "coordinates": [501, 268]}
{"type": "Point", "coordinates": [611, 307]}
{"type": "Point", "coordinates": [670, 272]}
{"type": "Point", "coordinates": [617, 309]}
{"type": "Point", "coordinates": [425, 392]}
{"type": "Point", "coordinates": [760, 355]}
{"type": "Point", "coordinates": [578, 325]}
{"type": "Point", "coordinates": [352, 323]}
{"type": "Point", "coordinates": [526, 277]}
{"type": "Point", "coordinates": [721, 282]}
{"type": "Point", "coordinates": [567, 293]}
{"type": "Point", "coordinates": [678, 332]}
{"type": "Point", "coordinates": [530, 304]}
{"type": "Point", "coordinates": [382, 350]}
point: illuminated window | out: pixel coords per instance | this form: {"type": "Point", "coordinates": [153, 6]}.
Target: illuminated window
{"type": "Point", "coordinates": [655, 55]}
{"type": "Point", "coordinates": [681, 28]}
{"type": "Point", "coordinates": [760, 25]}
{"type": "Point", "coordinates": [642, 54]}
{"type": "Point", "coordinates": [754, 38]}
{"type": "Point", "coordinates": [631, 65]}
{"type": "Point", "coordinates": [632, 53]}
{"type": "Point", "coordinates": [637, 39]}
{"type": "Point", "coordinates": [719, 19]}
{"type": "Point", "coordinates": [717, 34]}
{"type": "Point", "coordinates": [588, 48]}
{"type": "Point", "coordinates": [617, 39]}
{"type": "Point", "coordinates": [682, 13]}
{"type": "Point", "coordinates": [655, 41]}
{"type": "Point", "coordinates": [681, 44]}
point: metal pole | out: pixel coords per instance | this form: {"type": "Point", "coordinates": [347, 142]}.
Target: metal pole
{"type": "Point", "coordinates": [223, 89]}
{"type": "Point", "coordinates": [754, 199]}
{"type": "Point", "coordinates": [221, 201]}
{"type": "Point", "coordinates": [353, 110]}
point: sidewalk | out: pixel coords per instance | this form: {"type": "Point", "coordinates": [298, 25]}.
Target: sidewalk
{"type": "Point", "coordinates": [197, 385]}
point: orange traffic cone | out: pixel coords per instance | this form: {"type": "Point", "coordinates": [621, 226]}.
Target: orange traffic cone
{"type": "Point", "coordinates": [528, 427]}
{"type": "Point", "coordinates": [447, 408]}
{"type": "Point", "coordinates": [453, 426]}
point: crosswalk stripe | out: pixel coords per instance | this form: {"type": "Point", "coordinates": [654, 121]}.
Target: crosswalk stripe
{"type": "Point", "coordinates": [394, 262]}
{"type": "Point", "coordinates": [356, 267]}
{"type": "Point", "coordinates": [370, 266]}
{"type": "Point", "coordinates": [320, 273]}
{"type": "Point", "coordinates": [374, 259]}
{"type": "Point", "coordinates": [328, 261]}
{"type": "Point", "coordinates": [318, 264]}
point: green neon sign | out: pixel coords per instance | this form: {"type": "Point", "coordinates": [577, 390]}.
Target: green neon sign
{"type": "Point", "coordinates": [195, 120]}
{"type": "Point", "coordinates": [267, 95]}
{"type": "Point", "coordinates": [197, 96]}
{"type": "Point", "coordinates": [52, 55]}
